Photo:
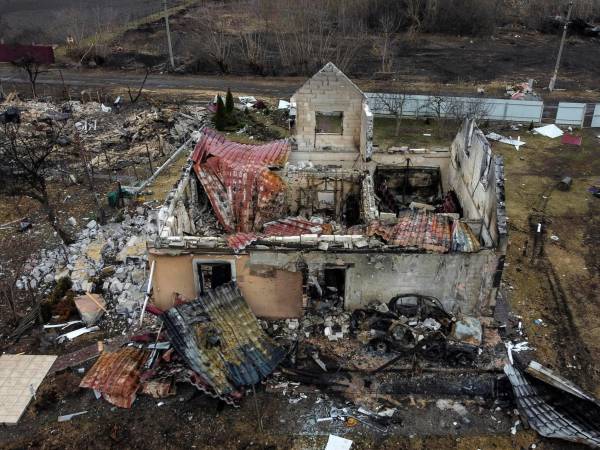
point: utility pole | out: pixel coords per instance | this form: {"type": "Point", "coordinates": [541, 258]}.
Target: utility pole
{"type": "Point", "coordinates": [560, 50]}
{"type": "Point", "coordinates": [170, 45]}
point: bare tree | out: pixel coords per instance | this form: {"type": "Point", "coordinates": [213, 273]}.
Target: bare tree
{"type": "Point", "coordinates": [460, 109]}
{"type": "Point", "coordinates": [28, 159]}
{"type": "Point", "coordinates": [393, 103]}
{"type": "Point", "coordinates": [413, 12]}
{"type": "Point", "coordinates": [304, 36]}
{"type": "Point", "coordinates": [438, 107]}
{"type": "Point", "coordinates": [32, 67]}
{"type": "Point", "coordinates": [12, 270]}
{"type": "Point", "coordinates": [216, 40]}
{"type": "Point", "coordinates": [136, 97]}
{"type": "Point", "coordinates": [389, 23]}
{"type": "Point", "coordinates": [253, 50]}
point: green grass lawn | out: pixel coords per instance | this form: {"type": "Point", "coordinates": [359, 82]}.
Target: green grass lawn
{"type": "Point", "coordinates": [412, 134]}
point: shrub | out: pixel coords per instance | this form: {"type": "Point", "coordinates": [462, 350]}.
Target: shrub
{"type": "Point", "coordinates": [220, 115]}
{"type": "Point", "coordinates": [229, 102]}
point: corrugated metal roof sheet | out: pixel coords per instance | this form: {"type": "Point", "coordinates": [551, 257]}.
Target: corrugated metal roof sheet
{"type": "Point", "coordinates": [221, 340]}
{"type": "Point", "coordinates": [215, 144]}
{"type": "Point", "coordinates": [243, 191]}
{"type": "Point", "coordinates": [292, 226]}
{"type": "Point", "coordinates": [240, 241]}
{"type": "Point", "coordinates": [416, 229]}
{"type": "Point", "coordinates": [117, 375]}
{"type": "Point", "coordinates": [554, 412]}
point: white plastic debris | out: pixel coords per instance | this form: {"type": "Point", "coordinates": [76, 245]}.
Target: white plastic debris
{"type": "Point", "coordinates": [517, 143]}
{"type": "Point", "coordinates": [293, 401]}
{"type": "Point", "coordinates": [338, 443]}
{"type": "Point", "coordinates": [75, 334]}
{"type": "Point", "coordinates": [68, 417]}
{"type": "Point", "coordinates": [283, 105]}
{"type": "Point", "coordinates": [432, 324]}
{"type": "Point", "coordinates": [549, 131]}
{"type": "Point", "coordinates": [62, 325]}
{"type": "Point", "coordinates": [513, 429]}
{"type": "Point", "coordinates": [388, 412]}
{"type": "Point", "coordinates": [105, 109]}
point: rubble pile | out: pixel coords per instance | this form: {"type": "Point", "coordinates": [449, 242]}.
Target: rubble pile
{"type": "Point", "coordinates": [114, 137]}
{"type": "Point", "coordinates": [110, 260]}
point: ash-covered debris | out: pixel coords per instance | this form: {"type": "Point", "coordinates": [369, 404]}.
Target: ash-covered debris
{"type": "Point", "coordinates": [139, 136]}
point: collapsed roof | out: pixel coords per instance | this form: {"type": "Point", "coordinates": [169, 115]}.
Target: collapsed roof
{"type": "Point", "coordinates": [555, 407]}
{"type": "Point", "coordinates": [243, 190]}
{"type": "Point", "coordinates": [220, 348]}
{"type": "Point", "coordinates": [220, 339]}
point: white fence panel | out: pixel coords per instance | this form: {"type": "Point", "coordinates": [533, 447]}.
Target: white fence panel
{"type": "Point", "coordinates": [424, 105]}
{"type": "Point", "coordinates": [596, 117]}
{"type": "Point", "coordinates": [570, 114]}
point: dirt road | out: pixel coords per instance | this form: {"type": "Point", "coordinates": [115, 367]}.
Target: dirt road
{"type": "Point", "coordinates": [271, 87]}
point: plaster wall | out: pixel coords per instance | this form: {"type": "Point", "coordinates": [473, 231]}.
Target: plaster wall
{"type": "Point", "coordinates": [271, 293]}
{"type": "Point", "coordinates": [462, 281]}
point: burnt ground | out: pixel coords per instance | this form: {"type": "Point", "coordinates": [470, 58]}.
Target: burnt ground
{"type": "Point", "coordinates": [454, 63]}
{"type": "Point", "coordinates": [190, 420]}
{"type": "Point", "coordinates": [556, 279]}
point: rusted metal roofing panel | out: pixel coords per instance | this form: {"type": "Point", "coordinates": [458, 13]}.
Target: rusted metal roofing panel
{"type": "Point", "coordinates": [117, 375]}
{"type": "Point", "coordinates": [214, 144]}
{"type": "Point", "coordinates": [221, 340]}
{"type": "Point", "coordinates": [243, 191]}
{"type": "Point", "coordinates": [416, 229]}
{"type": "Point", "coordinates": [240, 241]}
{"type": "Point", "coordinates": [291, 226]}
{"type": "Point", "coordinates": [553, 411]}
{"type": "Point", "coordinates": [42, 54]}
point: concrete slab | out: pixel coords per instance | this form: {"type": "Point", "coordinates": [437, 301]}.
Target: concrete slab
{"type": "Point", "coordinates": [20, 376]}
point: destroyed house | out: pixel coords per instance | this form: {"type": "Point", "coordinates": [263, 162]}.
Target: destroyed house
{"type": "Point", "coordinates": [326, 217]}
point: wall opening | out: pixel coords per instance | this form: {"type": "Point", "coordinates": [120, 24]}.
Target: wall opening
{"type": "Point", "coordinates": [211, 274]}
{"type": "Point", "coordinates": [329, 122]}
{"type": "Point", "coordinates": [334, 284]}
{"type": "Point", "coordinates": [398, 187]}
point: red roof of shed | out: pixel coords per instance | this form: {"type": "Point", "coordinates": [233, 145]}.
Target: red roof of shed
{"type": "Point", "coordinates": [43, 54]}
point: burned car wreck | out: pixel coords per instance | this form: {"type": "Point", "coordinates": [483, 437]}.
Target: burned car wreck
{"type": "Point", "coordinates": [415, 325]}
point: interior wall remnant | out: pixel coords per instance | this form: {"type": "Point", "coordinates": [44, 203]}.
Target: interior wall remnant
{"type": "Point", "coordinates": [434, 158]}
{"type": "Point", "coordinates": [175, 217]}
{"type": "Point", "coordinates": [366, 133]}
{"type": "Point", "coordinates": [273, 293]}
{"type": "Point", "coordinates": [331, 192]}
{"type": "Point", "coordinates": [473, 175]}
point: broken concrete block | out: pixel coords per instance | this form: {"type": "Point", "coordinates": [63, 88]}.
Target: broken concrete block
{"type": "Point", "coordinates": [468, 329]}
{"type": "Point", "coordinates": [116, 287]}
{"type": "Point", "coordinates": [90, 307]}
{"type": "Point", "coordinates": [135, 248]}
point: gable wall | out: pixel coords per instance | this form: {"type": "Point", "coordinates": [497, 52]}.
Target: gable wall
{"type": "Point", "coordinates": [328, 91]}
